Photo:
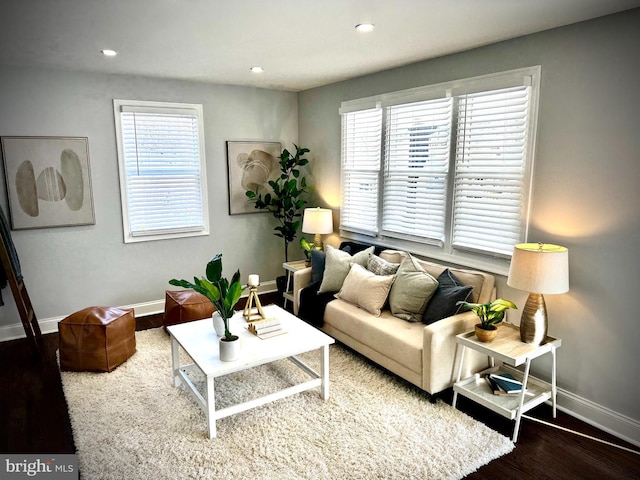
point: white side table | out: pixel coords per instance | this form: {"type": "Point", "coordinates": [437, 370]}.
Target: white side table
{"type": "Point", "coordinates": [512, 352]}
{"type": "Point", "coordinates": [290, 268]}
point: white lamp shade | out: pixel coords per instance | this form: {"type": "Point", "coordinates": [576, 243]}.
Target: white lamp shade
{"type": "Point", "coordinates": [317, 220]}
{"type": "Point", "coordinates": [539, 268]}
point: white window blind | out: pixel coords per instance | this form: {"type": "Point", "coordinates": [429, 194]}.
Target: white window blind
{"type": "Point", "coordinates": [490, 170]}
{"type": "Point", "coordinates": [417, 161]}
{"type": "Point", "coordinates": [361, 150]}
{"type": "Point", "coordinates": [162, 170]}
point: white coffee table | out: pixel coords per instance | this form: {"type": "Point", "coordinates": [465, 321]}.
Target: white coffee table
{"type": "Point", "coordinates": [199, 341]}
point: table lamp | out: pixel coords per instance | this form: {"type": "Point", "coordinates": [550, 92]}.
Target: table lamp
{"type": "Point", "coordinates": [538, 268]}
{"type": "Point", "coordinates": [317, 221]}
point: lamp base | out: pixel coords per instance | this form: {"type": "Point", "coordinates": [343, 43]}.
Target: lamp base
{"type": "Point", "coordinates": [317, 242]}
{"type": "Point", "coordinates": [533, 323]}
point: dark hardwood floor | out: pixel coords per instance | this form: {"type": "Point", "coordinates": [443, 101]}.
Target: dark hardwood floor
{"type": "Point", "coordinates": [34, 419]}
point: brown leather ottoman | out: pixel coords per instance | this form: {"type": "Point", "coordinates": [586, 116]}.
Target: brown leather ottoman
{"type": "Point", "coordinates": [97, 339]}
{"type": "Point", "coordinates": [182, 306]}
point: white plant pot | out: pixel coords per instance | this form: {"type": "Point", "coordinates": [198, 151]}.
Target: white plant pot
{"type": "Point", "coordinates": [218, 324]}
{"type": "Point", "coordinates": [229, 350]}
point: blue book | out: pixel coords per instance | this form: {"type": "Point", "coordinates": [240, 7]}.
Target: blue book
{"type": "Point", "coordinates": [507, 382]}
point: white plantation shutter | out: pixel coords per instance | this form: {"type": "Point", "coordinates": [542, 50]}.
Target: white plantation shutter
{"type": "Point", "coordinates": [443, 170]}
{"type": "Point", "coordinates": [489, 192]}
{"type": "Point", "coordinates": [361, 150]}
{"type": "Point", "coordinates": [416, 165]}
{"type": "Point", "coordinates": [162, 171]}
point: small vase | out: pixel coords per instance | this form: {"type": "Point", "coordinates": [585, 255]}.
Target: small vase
{"type": "Point", "coordinates": [218, 323]}
{"type": "Point", "coordinates": [486, 335]}
{"type": "Point", "coordinates": [230, 349]}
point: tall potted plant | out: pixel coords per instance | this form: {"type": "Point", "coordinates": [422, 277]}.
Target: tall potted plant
{"type": "Point", "coordinates": [285, 202]}
{"type": "Point", "coordinates": [224, 295]}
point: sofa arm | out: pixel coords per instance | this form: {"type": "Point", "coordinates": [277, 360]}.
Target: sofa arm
{"type": "Point", "coordinates": [440, 360]}
{"type": "Point", "coordinates": [301, 278]}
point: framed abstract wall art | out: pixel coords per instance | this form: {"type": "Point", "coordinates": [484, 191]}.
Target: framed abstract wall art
{"type": "Point", "coordinates": [48, 181]}
{"type": "Point", "coordinates": [250, 165]}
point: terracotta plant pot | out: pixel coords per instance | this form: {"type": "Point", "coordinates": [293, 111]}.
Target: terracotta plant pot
{"type": "Point", "coordinates": [486, 335]}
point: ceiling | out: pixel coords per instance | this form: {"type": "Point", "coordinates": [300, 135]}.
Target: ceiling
{"type": "Point", "coordinates": [301, 44]}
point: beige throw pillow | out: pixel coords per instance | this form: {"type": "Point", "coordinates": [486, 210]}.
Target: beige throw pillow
{"type": "Point", "coordinates": [366, 289]}
{"type": "Point", "coordinates": [337, 266]}
{"type": "Point", "coordinates": [411, 291]}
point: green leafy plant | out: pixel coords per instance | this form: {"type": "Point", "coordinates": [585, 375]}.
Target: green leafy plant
{"type": "Point", "coordinates": [285, 202]}
{"type": "Point", "coordinates": [306, 246]}
{"type": "Point", "coordinates": [224, 294]}
{"type": "Point", "coordinates": [489, 313]}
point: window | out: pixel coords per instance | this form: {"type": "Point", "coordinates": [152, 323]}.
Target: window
{"type": "Point", "coordinates": [444, 169]}
{"type": "Point", "coordinates": [162, 170]}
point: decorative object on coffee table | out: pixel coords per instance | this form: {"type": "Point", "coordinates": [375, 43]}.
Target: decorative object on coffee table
{"type": "Point", "coordinates": [224, 295]}
{"type": "Point", "coordinates": [490, 314]}
{"type": "Point", "coordinates": [539, 268]}
{"type": "Point", "coordinates": [253, 301]}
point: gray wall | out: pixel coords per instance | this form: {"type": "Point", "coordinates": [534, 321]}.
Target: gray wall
{"type": "Point", "coordinates": [67, 269]}
{"type": "Point", "coordinates": [585, 193]}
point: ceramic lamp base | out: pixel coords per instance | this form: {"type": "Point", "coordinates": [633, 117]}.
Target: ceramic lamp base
{"type": "Point", "coordinates": [533, 323]}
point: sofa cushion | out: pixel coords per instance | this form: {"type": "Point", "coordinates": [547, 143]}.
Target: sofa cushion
{"type": "Point", "coordinates": [380, 266]}
{"type": "Point", "coordinates": [365, 289]}
{"type": "Point", "coordinates": [337, 266]}
{"type": "Point", "coordinates": [411, 291]}
{"type": "Point", "coordinates": [392, 337]}
{"type": "Point", "coordinates": [443, 304]}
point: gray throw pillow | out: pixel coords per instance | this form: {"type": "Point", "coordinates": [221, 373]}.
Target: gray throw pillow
{"type": "Point", "coordinates": [337, 266]}
{"type": "Point", "coordinates": [380, 266]}
{"type": "Point", "coordinates": [411, 291]}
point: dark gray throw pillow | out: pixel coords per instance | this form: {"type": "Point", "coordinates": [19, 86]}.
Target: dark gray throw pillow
{"type": "Point", "coordinates": [443, 303]}
{"type": "Point", "coordinates": [318, 258]}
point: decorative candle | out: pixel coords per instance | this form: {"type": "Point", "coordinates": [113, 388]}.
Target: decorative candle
{"type": "Point", "coordinates": [254, 280]}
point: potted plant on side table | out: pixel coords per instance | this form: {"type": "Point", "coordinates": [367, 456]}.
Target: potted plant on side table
{"type": "Point", "coordinates": [490, 314]}
{"type": "Point", "coordinates": [224, 295]}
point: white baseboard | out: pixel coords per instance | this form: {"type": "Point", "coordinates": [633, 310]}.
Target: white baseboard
{"type": "Point", "coordinates": [605, 419]}
{"type": "Point", "coordinates": [50, 325]}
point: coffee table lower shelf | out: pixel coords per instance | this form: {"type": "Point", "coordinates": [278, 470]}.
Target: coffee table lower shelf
{"type": "Point", "coordinates": [206, 399]}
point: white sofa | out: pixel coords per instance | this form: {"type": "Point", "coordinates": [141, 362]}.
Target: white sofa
{"type": "Point", "coordinates": [425, 355]}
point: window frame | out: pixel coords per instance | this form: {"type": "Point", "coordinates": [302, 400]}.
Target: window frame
{"type": "Point", "coordinates": [144, 106]}
{"type": "Point", "coordinates": [496, 263]}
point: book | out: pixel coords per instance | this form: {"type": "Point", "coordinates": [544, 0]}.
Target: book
{"type": "Point", "coordinates": [507, 377]}
{"type": "Point", "coordinates": [507, 382]}
{"type": "Point", "coordinates": [266, 328]}
{"type": "Point", "coordinates": [495, 388]}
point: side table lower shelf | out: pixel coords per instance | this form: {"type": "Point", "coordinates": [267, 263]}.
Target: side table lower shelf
{"type": "Point", "coordinates": [477, 389]}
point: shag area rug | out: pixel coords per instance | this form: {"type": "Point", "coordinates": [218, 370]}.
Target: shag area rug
{"type": "Point", "coordinates": [133, 424]}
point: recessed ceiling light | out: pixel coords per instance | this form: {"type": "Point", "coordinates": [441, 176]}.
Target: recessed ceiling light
{"type": "Point", "coordinates": [257, 69]}
{"type": "Point", "coordinates": [365, 27]}
{"type": "Point", "coordinates": [109, 53]}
